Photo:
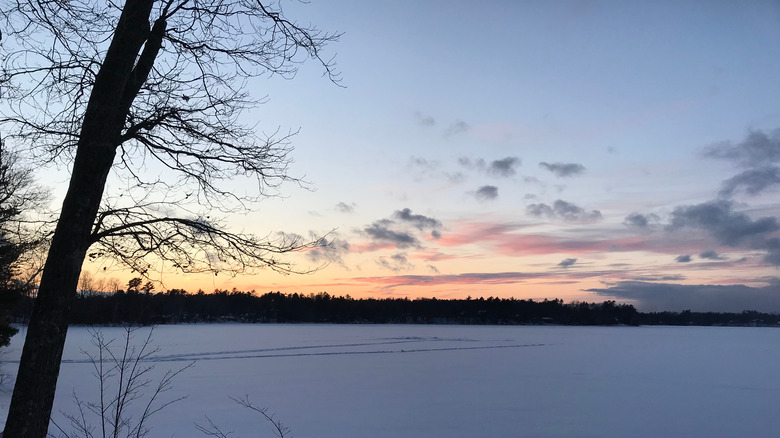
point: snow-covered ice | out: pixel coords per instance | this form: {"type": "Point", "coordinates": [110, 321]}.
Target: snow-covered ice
{"type": "Point", "coordinates": [453, 381]}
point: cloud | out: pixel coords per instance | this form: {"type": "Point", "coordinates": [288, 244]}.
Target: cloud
{"type": "Point", "coordinates": [380, 231]}
{"type": "Point", "coordinates": [422, 168]}
{"type": "Point", "coordinates": [458, 127]}
{"type": "Point", "coordinates": [675, 277]}
{"type": "Point", "coordinates": [563, 169]}
{"type": "Point", "coordinates": [472, 164]}
{"type": "Point", "coordinates": [455, 177]}
{"type": "Point", "coordinates": [710, 255]}
{"type": "Point", "coordinates": [487, 193]}
{"type": "Point", "coordinates": [465, 278]}
{"type": "Point", "coordinates": [329, 251]}
{"type": "Point", "coordinates": [343, 207]}
{"type": "Point", "coordinates": [683, 259]}
{"type": "Point", "coordinates": [640, 220]}
{"type": "Point", "coordinates": [656, 297]}
{"type": "Point", "coordinates": [510, 239]}
{"type": "Point", "coordinates": [564, 210]}
{"type": "Point", "coordinates": [424, 120]}
{"type": "Point", "coordinates": [504, 167]}
{"type": "Point", "coordinates": [417, 220]}
{"type": "Point", "coordinates": [727, 226]}
{"type": "Point", "coordinates": [478, 278]}
{"type": "Point", "coordinates": [773, 252]}
{"type": "Point", "coordinates": [756, 150]}
{"type": "Point", "coordinates": [567, 262]}
{"type": "Point", "coordinates": [751, 181]}
{"type": "Point", "coordinates": [395, 232]}
{"type": "Point", "coordinates": [423, 163]}
{"type": "Point", "coordinates": [396, 262]}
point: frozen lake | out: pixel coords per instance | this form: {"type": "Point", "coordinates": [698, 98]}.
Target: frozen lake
{"type": "Point", "coordinates": [454, 381]}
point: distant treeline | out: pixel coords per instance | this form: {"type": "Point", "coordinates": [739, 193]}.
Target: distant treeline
{"type": "Point", "coordinates": [178, 306]}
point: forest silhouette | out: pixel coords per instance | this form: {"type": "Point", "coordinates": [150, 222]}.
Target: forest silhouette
{"type": "Point", "coordinates": [135, 306]}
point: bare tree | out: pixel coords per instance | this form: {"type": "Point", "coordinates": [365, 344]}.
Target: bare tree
{"type": "Point", "coordinates": [18, 239]}
{"type": "Point", "coordinates": [278, 428]}
{"type": "Point", "coordinates": [123, 381]}
{"type": "Point", "coordinates": [151, 93]}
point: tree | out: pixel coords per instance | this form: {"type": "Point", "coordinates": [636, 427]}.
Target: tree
{"type": "Point", "coordinates": [134, 283]}
{"type": "Point", "coordinates": [17, 194]}
{"type": "Point", "coordinates": [148, 287]}
{"type": "Point", "coordinates": [149, 93]}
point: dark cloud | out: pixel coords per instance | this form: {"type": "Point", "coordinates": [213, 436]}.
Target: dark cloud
{"type": "Point", "coordinates": [758, 149]}
{"type": "Point", "coordinates": [472, 163]}
{"type": "Point", "coordinates": [286, 239]}
{"type": "Point", "coordinates": [417, 220]}
{"type": "Point", "coordinates": [640, 220]}
{"type": "Point", "coordinates": [455, 177]}
{"type": "Point", "coordinates": [423, 163]}
{"type": "Point", "coordinates": [343, 207]}
{"type": "Point", "coordinates": [567, 262]}
{"type": "Point", "coordinates": [539, 210]}
{"type": "Point", "coordinates": [656, 297]}
{"type": "Point", "coordinates": [727, 226]}
{"type": "Point", "coordinates": [563, 169]}
{"type": "Point", "coordinates": [395, 232]}
{"type": "Point", "coordinates": [710, 255]}
{"type": "Point", "coordinates": [674, 277]}
{"type": "Point", "coordinates": [473, 278]}
{"type": "Point", "coordinates": [563, 210]}
{"type": "Point", "coordinates": [396, 262]}
{"type": "Point", "coordinates": [532, 180]}
{"type": "Point", "coordinates": [773, 252]}
{"type": "Point", "coordinates": [683, 259]}
{"type": "Point", "coordinates": [423, 168]}
{"type": "Point", "coordinates": [380, 230]}
{"type": "Point", "coordinates": [487, 193]}
{"type": "Point", "coordinates": [773, 281]}
{"type": "Point", "coordinates": [424, 120]}
{"type": "Point", "coordinates": [329, 251]}
{"type": "Point", "coordinates": [504, 167]}
{"type": "Point", "coordinates": [751, 181]}
{"type": "Point", "coordinates": [458, 127]}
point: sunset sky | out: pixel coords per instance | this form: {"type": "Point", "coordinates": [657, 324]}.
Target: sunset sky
{"type": "Point", "coordinates": [581, 150]}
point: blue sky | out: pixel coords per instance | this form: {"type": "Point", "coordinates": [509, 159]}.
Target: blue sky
{"type": "Point", "coordinates": [581, 150]}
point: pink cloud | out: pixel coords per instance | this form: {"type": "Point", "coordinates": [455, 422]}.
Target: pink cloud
{"type": "Point", "coordinates": [484, 278]}
{"type": "Point", "coordinates": [437, 256]}
{"type": "Point", "coordinates": [507, 241]}
{"type": "Point", "coordinates": [477, 232]}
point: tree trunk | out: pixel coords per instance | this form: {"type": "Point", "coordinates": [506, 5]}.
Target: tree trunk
{"type": "Point", "coordinates": [113, 91]}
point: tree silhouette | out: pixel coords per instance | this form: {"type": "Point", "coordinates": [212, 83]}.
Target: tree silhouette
{"type": "Point", "coordinates": [18, 193]}
{"type": "Point", "coordinates": [149, 92]}
{"type": "Point", "coordinates": [134, 283]}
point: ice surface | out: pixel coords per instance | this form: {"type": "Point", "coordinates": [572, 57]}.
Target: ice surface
{"type": "Point", "coordinates": [455, 381]}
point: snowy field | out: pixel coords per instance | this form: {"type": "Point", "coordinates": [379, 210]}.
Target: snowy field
{"type": "Point", "coordinates": [453, 381]}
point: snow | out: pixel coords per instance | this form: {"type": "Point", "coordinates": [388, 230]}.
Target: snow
{"type": "Point", "coordinates": [453, 381]}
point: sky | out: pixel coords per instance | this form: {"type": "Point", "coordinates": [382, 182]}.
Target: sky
{"type": "Point", "coordinates": [581, 150]}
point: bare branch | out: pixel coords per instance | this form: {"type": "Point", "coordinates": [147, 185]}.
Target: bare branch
{"type": "Point", "coordinates": [133, 235]}
{"type": "Point", "coordinates": [163, 85]}
{"type": "Point", "coordinates": [126, 371]}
